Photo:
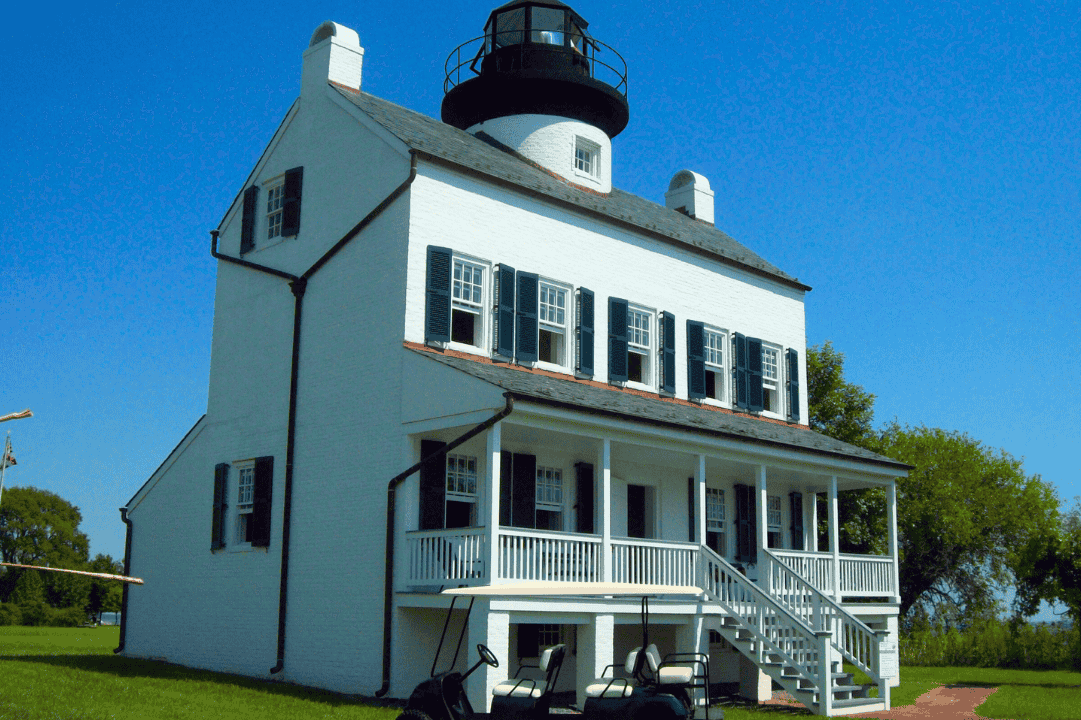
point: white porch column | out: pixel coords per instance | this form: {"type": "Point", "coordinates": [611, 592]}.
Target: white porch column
{"type": "Point", "coordinates": [596, 651]}
{"type": "Point", "coordinates": [835, 539]}
{"type": "Point", "coordinates": [763, 529]}
{"type": "Point", "coordinates": [491, 629]}
{"type": "Point", "coordinates": [493, 447]}
{"type": "Point", "coordinates": [700, 499]}
{"type": "Point", "coordinates": [813, 544]}
{"type": "Point", "coordinates": [692, 636]}
{"type": "Point", "coordinates": [891, 523]}
{"type": "Point", "coordinates": [604, 463]}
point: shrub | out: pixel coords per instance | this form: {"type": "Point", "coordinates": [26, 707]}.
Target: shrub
{"type": "Point", "coordinates": [65, 617]}
{"type": "Point", "coordinates": [993, 643]}
{"type": "Point", "coordinates": [10, 614]}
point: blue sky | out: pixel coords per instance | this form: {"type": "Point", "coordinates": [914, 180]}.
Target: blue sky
{"type": "Point", "coordinates": [915, 163]}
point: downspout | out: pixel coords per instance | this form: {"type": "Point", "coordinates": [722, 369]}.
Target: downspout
{"type": "Point", "coordinates": [127, 571]}
{"type": "Point", "coordinates": [298, 285]}
{"type": "Point", "coordinates": [392, 489]}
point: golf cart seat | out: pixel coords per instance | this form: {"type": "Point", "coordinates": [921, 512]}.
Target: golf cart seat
{"type": "Point", "coordinates": [520, 697]}
{"type": "Point", "coordinates": [613, 687]}
{"type": "Point", "coordinates": [667, 674]}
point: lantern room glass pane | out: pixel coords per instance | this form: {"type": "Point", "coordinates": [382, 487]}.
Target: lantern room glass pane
{"type": "Point", "coordinates": [577, 39]}
{"type": "Point", "coordinates": [509, 27]}
{"type": "Point", "coordinates": [548, 25]}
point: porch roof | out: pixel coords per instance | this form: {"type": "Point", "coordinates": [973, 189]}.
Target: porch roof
{"type": "Point", "coordinates": [595, 398]}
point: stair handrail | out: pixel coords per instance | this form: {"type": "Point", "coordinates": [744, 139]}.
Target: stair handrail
{"type": "Point", "coordinates": [828, 615]}
{"type": "Point", "coordinates": [809, 635]}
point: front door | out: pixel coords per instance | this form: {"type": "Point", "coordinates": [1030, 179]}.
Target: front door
{"type": "Point", "coordinates": [640, 511]}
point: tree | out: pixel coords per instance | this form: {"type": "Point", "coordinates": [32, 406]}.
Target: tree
{"type": "Point", "coordinates": [844, 411]}
{"type": "Point", "coordinates": [38, 527]}
{"type": "Point", "coordinates": [29, 596]}
{"type": "Point", "coordinates": [966, 515]}
{"type": "Point", "coordinates": [105, 595]}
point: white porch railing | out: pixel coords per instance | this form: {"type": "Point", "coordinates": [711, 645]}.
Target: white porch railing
{"type": "Point", "coordinates": [441, 557]}
{"type": "Point", "coordinates": [860, 575]}
{"type": "Point", "coordinates": [654, 561]}
{"type": "Point", "coordinates": [556, 556]}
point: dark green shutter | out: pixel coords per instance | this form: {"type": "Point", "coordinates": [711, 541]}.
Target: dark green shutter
{"type": "Point", "coordinates": [746, 525]}
{"type": "Point", "coordinates": [262, 492]}
{"type": "Point", "coordinates": [526, 318]}
{"type": "Point", "coordinates": [294, 181]}
{"type": "Point", "coordinates": [506, 485]}
{"type": "Point", "coordinates": [528, 640]}
{"type": "Point", "coordinates": [692, 526]}
{"type": "Point", "coordinates": [617, 340]}
{"type": "Point", "coordinates": [525, 490]}
{"type": "Point", "coordinates": [668, 352]}
{"type": "Point", "coordinates": [584, 476]}
{"type": "Point", "coordinates": [754, 375]}
{"type": "Point", "coordinates": [696, 360]}
{"type": "Point", "coordinates": [433, 486]}
{"type": "Point", "coordinates": [437, 310]}
{"type": "Point", "coordinates": [247, 222]}
{"type": "Point", "coordinates": [217, 520]}
{"type": "Point", "coordinates": [584, 329]}
{"type": "Point", "coordinates": [739, 369]}
{"type": "Point", "coordinates": [796, 511]}
{"type": "Point", "coordinates": [792, 358]}
{"type": "Point", "coordinates": [504, 305]}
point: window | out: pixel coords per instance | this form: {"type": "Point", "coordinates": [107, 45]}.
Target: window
{"type": "Point", "coordinates": [549, 496]}
{"type": "Point", "coordinates": [771, 383]}
{"type": "Point", "coordinates": [715, 515]}
{"type": "Point", "coordinates": [245, 488]}
{"type": "Point", "coordinates": [716, 375]}
{"type": "Point", "coordinates": [461, 491]}
{"type": "Point", "coordinates": [773, 520]}
{"type": "Point", "coordinates": [467, 293]}
{"type": "Point", "coordinates": [275, 209]}
{"type": "Point", "coordinates": [587, 158]}
{"type": "Point", "coordinates": [639, 326]}
{"type": "Point", "coordinates": [553, 316]}
{"type": "Point", "coordinates": [534, 639]}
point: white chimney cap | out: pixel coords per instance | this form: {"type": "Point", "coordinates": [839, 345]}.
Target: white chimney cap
{"type": "Point", "coordinates": [334, 53]}
{"type": "Point", "coordinates": [690, 193]}
{"type": "Point", "coordinates": [345, 36]}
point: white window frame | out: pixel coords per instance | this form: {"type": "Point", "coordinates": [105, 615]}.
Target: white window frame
{"type": "Point", "coordinates": [478, 308]}
{"type": "Point", "coordinates": [241, 512]}
{"type": "Point", "coordinates": [587, 158]}
{"type": "Point", "coordinates": [553, 326]}
{"type": "Point", "coordinates": [466, 488]}
{"type": "Point", "coordinates": [648, 350]}
{"type": "Point", "coordinates": [771, 387]}
{"type": "Point", "coordinates": [722, 380]}
{"type": "Point", "coordinates": [550, 494]}
{"type": "Point", "coordinates": [716, 515]}
{"type": "Point", "coordinates": [775, 520]}
{"type": "Point", "coordinates": [275, 208]}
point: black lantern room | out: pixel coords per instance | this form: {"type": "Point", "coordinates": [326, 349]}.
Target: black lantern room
{"type": "Point", "coordinates": [536, 58]}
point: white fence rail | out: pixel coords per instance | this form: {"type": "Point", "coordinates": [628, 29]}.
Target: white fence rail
{"type": "Point", "coordinates": [560, 557]}
{"type": "Point", "coordinates": [440, 557]}
{"type": "Point", "coordinates": [860, 575]}
{"type": "Point", "coordinates": [653, 561]}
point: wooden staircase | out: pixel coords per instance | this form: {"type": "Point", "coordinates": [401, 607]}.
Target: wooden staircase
{"type": "Point", "coordinates": [796, 635]}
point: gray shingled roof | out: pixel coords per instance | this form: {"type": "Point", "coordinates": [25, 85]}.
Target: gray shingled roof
{"type": "Point", "coordinates": [458, 147]}
{"type": "Point", "coordinates": [589, 398]}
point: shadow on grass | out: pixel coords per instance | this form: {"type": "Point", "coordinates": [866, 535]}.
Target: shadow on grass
{"type": "Point", "coordinates": [123, 667]}
{"type": "Point", "coordinates": [1013, 683]}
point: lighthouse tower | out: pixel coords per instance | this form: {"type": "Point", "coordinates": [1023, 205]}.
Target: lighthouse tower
{"type": "Point", "coordinates": [538, 82]}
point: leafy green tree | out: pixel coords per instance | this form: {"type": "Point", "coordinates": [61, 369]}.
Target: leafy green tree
{"type": "Point", "coordinates": [29, 597]}
{"type": "Point", "coordinates": [105, 595]}
{"type": "Point", "coordinates": [38, 527]}
{"type": "Point", "coordinates": [966, 515]}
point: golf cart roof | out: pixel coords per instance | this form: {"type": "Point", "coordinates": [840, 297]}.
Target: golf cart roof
{"type": "Point", "coordinates": [543, 588]}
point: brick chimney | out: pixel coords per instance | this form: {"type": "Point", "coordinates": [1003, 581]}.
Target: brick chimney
{"type": "Point", "coordinates": [334, 54]}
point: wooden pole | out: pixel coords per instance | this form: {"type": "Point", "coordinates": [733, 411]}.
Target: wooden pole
{"type": "Point", "coordinates": [103, 576]}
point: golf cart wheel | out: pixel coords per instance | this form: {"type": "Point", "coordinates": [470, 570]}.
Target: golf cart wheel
{"type": "Point", "coordinates": [414, 715]}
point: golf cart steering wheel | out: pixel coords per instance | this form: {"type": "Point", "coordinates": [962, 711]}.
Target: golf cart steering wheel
{"type": "Point", "coordinates": [487, 655]}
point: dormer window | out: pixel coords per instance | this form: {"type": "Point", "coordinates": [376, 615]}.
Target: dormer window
{"type": "Point", "coordinates": [587, 158]}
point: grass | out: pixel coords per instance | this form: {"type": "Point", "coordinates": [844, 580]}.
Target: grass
{"type": "Point", "coordinates": [72, 674]}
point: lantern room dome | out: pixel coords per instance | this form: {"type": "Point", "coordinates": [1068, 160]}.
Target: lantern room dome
{"type": "Point", "coordinates": [536, 57]}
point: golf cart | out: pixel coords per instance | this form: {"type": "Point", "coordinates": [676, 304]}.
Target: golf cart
{"type": "Point", "coordinates": [662, 689]}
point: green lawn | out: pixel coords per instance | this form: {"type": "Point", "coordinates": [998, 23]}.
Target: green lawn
{"type": "Point", "coordinates": [72, 674]}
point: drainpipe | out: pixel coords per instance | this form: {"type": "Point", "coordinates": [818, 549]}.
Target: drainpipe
{"type": "Point", "coordinates": [298, 285]}
{"type": "Point", "coordinates": [392, 489]}
{"type": "Point", "coordinates": [127, 571]}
